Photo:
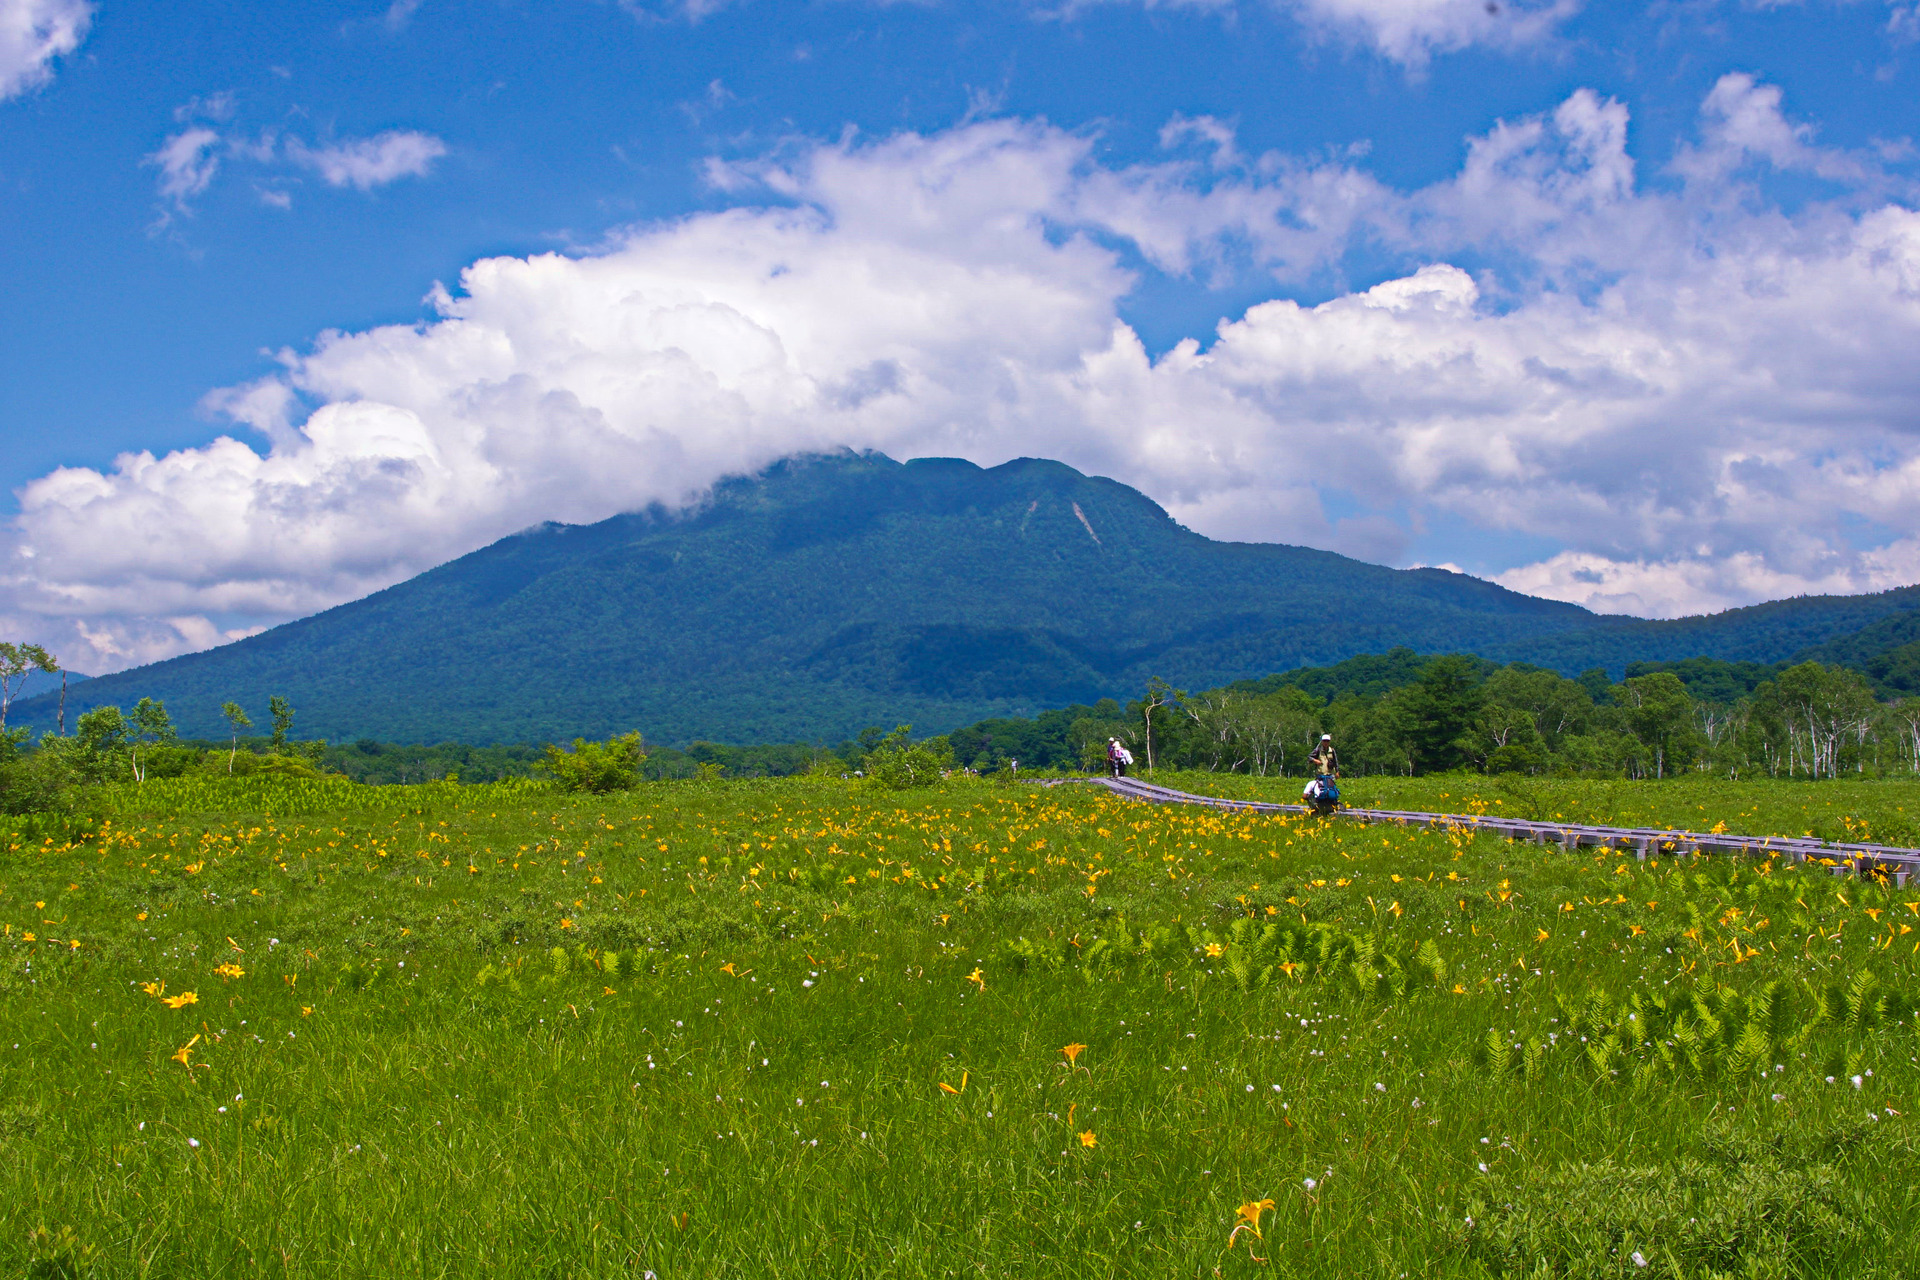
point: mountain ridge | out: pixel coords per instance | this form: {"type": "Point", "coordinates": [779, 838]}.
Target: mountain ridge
{"type": "Point", "coordinates": [829, 592]}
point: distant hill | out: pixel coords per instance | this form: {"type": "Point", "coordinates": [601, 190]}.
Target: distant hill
{"type": "Point", "coordinates": [1887, 651]}
{"type": "Point", "coordinates": [1779, 631]}
{"type": "Point", "coordinates": [824, 595]}
{"type": "Point", "coordinates": [39, 682]}
{"type": "Point", "coordinates": [834, 592]}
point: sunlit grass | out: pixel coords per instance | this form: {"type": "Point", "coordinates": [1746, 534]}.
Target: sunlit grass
{"type": "Point", "coordinates": [798, 1028]}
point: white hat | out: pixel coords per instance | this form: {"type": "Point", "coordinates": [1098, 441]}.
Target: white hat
{"type": "Point", "coordinates": [1326, 737]}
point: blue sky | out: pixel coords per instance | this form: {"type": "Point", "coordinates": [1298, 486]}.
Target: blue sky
{"type": "Point", "coordinates": [1615, 302]}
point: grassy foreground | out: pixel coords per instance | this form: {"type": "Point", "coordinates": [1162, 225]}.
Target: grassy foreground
{"type": "Point", "coordinates": [797, 1028]}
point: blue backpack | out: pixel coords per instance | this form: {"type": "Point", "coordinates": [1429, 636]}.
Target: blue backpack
{"type": "Point", "coordinates": [1327, 791]}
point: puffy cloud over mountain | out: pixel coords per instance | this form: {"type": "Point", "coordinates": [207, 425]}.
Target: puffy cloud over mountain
{"type": "Point", "coordinates": [1700, 397]}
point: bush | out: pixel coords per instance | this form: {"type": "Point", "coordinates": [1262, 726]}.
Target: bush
{"type": "Point", "coordinates": [897, 764]}
{"type": "Point", "coordinates": [596, 767]}
{"type": "Point", "coordinates": [32, 782]}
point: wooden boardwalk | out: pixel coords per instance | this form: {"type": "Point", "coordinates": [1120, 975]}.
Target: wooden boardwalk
{"type": "Point", "coordinates": [1644, 842]}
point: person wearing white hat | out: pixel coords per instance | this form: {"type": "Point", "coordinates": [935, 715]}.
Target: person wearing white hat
{"type": "Point", "coordinates": [1326, 766]}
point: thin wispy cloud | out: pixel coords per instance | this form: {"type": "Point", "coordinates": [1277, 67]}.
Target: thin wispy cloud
{"type": "Point", "coordinates": [191, 159]}
{"type": "Point", "coordinates": [367, 163]}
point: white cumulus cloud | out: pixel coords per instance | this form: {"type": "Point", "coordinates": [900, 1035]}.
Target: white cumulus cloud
{"type": "Point", "coordinates": [33, 33]}
{"type": "Point", "coordinates": [1696, 397]}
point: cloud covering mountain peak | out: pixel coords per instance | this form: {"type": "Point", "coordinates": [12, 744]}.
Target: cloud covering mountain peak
{"type": "Point", "coordinates": [1686, 394]}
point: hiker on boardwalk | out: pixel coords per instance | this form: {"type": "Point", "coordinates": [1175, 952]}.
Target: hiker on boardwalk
{"type": "Point", "coordinates": [1118, 758]}
{"type": "Point", "coordinates": [1326, 767]}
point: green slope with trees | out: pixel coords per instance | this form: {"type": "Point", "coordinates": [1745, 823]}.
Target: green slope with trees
{"type": "Point", "coordinates": [832, 593]}
{"type": "Point", "coordinates": [825, 595]}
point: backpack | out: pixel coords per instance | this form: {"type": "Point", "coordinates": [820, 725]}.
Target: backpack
{"type": "Point", "coordinates": [1326, 790]}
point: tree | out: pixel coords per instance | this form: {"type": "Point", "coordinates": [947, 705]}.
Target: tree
{"type": "Point", "coordinates": [597, 767]}
{"type": "Point", "coordinates": [149, 726]}
{"type": "Point", "coordinates": [897, 763]}
{"type": "Point", "coordinates": [1159, 695]}
{"type": "Point", "coordinates": [1558, 706]}
{"type": "Point", "coordinates": [1821, 708]}
{"type": "Point", "coordinates": [1442, 709]}
{"type": "Point", "coordinates": [17, 662]}
{"type": "Point", "coordinates": [282, 712]}
{"type": "Point", "coordinates": [1659, 713]}
{"type": "Point", "coordinates": [236, 720]}
{"type": "Point", "coordinates": [99, 739]}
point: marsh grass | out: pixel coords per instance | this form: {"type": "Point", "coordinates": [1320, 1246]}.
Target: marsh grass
{"type": "Point", "coordinates": [704, 1029]}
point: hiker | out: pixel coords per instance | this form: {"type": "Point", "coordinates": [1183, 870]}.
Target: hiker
{"type": "Point", "coordinates": [1326, 767]}
{"type": "Point", "coordinates": [1118, 758]}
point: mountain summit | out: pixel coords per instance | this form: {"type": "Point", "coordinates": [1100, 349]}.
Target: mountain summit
{"type": "Point", "coordinates": [833, 592]}
{"type": "Point", "coordinates": [822, 595]}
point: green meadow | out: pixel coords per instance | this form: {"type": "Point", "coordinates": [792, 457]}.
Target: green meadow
{"type": "Point", "coordinates": [801, 1027]}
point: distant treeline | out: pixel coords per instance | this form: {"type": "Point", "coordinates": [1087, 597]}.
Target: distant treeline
{"type": "Point", "coordinates": [1399, 712]}
{"type": "Point", "coordinates": [1402, 712]}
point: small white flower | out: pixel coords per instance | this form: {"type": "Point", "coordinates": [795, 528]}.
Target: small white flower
{"type": "Point", "coordinates": [1249, 1088]}
{"type": "Point", "coordinates": [1308, 1183]}
{"type": "Point", "coordinates": [1483, 1166]}
{"type": "Point", "coordinates": [221, 1110]}
{"type": "Point", "coordinates": [1276, 1088]}
{"type": "Point", "coordinates": [806, 982]}
{"type": "Point", "coordinates": [1379, 1088]}
{"type": "Point", "coordinates": [1639, 1260]}
{"type": "Point", "coordinates": [1779, 1097]}
{"type": "Point", "coordinates": [1856, 1081]}
{"type": "Point", "coordinates": [193, 1142]}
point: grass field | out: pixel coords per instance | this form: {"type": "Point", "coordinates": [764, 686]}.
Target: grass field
{"type": "Point", "coordinates": [798, 1028]}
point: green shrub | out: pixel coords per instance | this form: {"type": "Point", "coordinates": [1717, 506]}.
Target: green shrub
{"type": "Point", "coordinates": [32, 782]}
{"type": "Point", "coordinates": [597, 767]}
{"type": "Point", "coordinates": [897, 764]}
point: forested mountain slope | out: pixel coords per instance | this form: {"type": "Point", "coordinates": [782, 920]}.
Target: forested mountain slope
{"type": "Point", "coordinates": [824, 595]}
{"type": "Point", "coordinates": [1779, 631]}
{"type": "Point", "coordinates": [834, 592]}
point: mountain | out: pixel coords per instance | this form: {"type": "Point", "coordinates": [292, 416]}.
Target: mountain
{"type": "Point", "coordinates": [36, 683]}
{"type": "Point", "coordinates": [1887, 651]}
{"type": "Point", "coordinates": [821, 596]}
{"type": "Point", "coordinates": [829, 593]}
{"type": "Point", "coordinates": [1779, 631]}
